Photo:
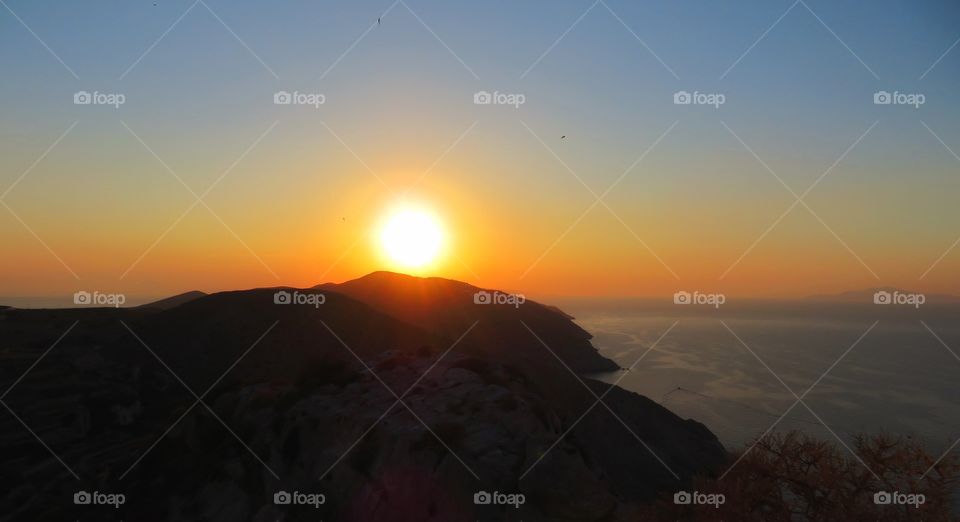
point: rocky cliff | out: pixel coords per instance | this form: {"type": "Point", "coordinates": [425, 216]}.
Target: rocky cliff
{"type": "Point", "coordinates": [302, 399]}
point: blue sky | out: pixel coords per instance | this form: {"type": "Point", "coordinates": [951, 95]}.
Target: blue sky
{"type": "Point", "coordinates": [798, 97]}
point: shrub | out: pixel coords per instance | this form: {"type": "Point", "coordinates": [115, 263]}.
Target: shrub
{"type": "Point", "coordinates": [791, 476]}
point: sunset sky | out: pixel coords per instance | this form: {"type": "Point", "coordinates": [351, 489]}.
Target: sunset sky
{"type": "Point", "coordinates": [303, 191]}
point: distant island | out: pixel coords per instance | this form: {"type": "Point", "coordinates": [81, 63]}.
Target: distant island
{"type": "Point", "coordinates": [868, 295]}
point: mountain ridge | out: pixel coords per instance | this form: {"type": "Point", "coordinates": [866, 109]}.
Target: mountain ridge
{"type": "Point", "coordinates": [866, 296]}
{"type": "Point", "coordinates": [296, 391]}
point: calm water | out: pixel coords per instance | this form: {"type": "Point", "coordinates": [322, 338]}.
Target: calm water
{"type": "Point", "coordinates": [898, 378]}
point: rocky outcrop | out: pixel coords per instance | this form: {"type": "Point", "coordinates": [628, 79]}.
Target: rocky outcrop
{"type": "Point", "coordinates": [311, 407]}
{"type": "Point", "coordinates": [465, 426]}
{"type": "Point", "coordinates": [509, 326]}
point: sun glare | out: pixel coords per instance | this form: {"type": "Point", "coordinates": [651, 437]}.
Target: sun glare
{"type": "Point", "coordinates": [411, 238]}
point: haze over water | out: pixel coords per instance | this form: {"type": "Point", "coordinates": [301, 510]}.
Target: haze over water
{"type": "Point", "coordinates": [899, 378]}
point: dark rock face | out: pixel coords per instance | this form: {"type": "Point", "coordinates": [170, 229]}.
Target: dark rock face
{"type": "Point", "coordinates": [311, 408]}
{"type": "Point", "coordinates": [660, 443]}
{"type": "Point", "coordinates": [174, 301]}
{"type": "Point", "coordinates": [447, 308]}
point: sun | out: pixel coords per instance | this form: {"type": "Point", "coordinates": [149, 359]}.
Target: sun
{"type": "Point", "coordinates": [412, 238]}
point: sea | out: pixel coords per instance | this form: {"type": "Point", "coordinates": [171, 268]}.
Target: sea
{"type": "Point", "coordinates": [740, 368]}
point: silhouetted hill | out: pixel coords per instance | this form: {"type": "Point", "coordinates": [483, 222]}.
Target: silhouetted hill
{"type": "Point", "coordinates": [448, 308]}
{"type": "Point", "coordinates": [307, 387]}
{"type": "Point", "coordinates": [866, 296]}
{"type": "Point", "coordinates": [174, 301]}
{"type": "Point", "coordinates": [201, 338]}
